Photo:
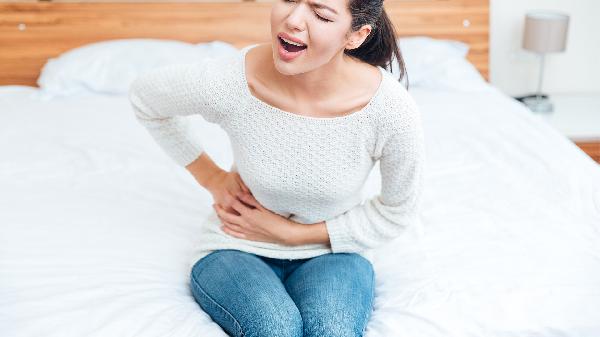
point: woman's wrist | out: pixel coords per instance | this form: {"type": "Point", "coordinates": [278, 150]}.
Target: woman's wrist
{"type": "Point", "coordinates": [204, 170]}
{"type": "Point", "coordinates": [310, 233]}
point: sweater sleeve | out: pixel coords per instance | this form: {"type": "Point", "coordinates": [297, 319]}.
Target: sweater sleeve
{"type": "Point", "coordinates": [163, 97]}
{"type": "Point", "coordinates": [384, 217]}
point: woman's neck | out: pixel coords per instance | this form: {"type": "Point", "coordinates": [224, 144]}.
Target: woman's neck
{"type": "Point", "coordinates": [317, 84]}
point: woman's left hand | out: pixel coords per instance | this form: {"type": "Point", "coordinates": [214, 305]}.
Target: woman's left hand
{"type": "Point", "coordinates": [256, 223]}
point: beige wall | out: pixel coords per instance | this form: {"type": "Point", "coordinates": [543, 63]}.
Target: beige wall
{"type": "Point", "coordinates": [515, 71]}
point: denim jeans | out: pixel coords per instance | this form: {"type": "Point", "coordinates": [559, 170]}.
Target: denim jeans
{"type": "Point", "coordinates": [255, 296]}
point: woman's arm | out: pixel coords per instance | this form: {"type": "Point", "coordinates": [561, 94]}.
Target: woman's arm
{"type": "Point", "coordinates": [307, 234]}
{"type": "Point", "coordinates": [162, 99]}
{"type": "Point", "coordinates": [204, 170]}
{"type": "Point", "coordinates": [385, 216]}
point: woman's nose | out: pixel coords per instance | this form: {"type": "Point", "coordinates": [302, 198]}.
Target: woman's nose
{"type": "Point", "coordinates": [296, 19]}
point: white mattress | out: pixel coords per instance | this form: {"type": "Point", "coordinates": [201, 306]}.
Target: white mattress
{"type": "Point", "coordinates": [97, 225]}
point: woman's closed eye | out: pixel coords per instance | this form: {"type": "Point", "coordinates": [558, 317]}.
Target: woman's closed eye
{"type": "Point", "coordinates": [322, 18]}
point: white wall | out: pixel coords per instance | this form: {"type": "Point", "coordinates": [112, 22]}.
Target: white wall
{"type": "Point", "coordinates": [515, 71]}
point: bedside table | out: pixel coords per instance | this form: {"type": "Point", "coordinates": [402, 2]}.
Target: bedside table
{"type": "Point", "coordinates": [577, 116]}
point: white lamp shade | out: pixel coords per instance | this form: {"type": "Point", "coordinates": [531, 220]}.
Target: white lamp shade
{"type": "Point", "coordinates": [545, 32]}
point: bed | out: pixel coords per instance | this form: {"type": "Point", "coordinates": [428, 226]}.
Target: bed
{"type": "Point", "coordinates": [97, 224]}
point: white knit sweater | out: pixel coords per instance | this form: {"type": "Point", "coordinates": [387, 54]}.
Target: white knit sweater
{"type": "Point", "coordinates": [309, 169]}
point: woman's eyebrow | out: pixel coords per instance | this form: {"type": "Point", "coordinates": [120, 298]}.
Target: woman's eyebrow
{"type": "Point", "coordinates": [320, 5]}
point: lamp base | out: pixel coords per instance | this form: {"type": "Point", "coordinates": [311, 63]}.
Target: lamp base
{"type": "Point", "coordinates": [524, 97]}
{"type": "Point", "coordinates": [539, 104]}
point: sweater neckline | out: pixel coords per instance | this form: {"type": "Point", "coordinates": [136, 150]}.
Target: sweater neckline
{"type": "Point", "coordinates": [262, 103]}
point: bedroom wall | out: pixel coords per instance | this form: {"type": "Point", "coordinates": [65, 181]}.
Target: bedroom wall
{"type": "Point", "coordinates": [515, 71]}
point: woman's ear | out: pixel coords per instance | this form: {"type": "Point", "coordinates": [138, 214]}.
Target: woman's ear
{"type": "Point", "coordinates": [358, 37]}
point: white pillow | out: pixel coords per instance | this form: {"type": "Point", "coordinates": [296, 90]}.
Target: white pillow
{"type": "Point", "coordinates": [110, 66]}
{"type": "Point", "coordinates": [438, 64]}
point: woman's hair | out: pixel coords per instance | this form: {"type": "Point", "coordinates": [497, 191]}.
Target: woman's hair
{"type": "Point", "coordinates": [381, 45]}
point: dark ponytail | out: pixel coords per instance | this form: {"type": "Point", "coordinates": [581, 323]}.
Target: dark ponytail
{"type": "Point", "coordinates": [380, 47]}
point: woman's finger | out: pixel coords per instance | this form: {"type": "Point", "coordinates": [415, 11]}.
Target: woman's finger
{"type": "Point", "coordinates": [250, 200]}
{"type": "Point", "coordinates": [245, 188]}
{"type": "Point", "coordinates": [223, 214]}
{"type": "Point", "coordinates": [225, 223]}
{"type": "Point", "coordinates": [239, 206]}
{"type": "Point", "coordinates": [235, 227]}
{"type": "Point", "coordinates": [241, 183]}
{"type": "Point", "coordinates": [227, 228]}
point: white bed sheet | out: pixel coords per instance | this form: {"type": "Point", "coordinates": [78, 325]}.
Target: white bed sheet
{"type": "Point", "coordinates": [97, 225]}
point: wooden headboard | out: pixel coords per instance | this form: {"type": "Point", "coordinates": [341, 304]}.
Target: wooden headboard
{"type": "Point", "coordinates": [32, 32]}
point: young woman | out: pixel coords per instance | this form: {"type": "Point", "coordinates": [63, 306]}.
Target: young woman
{"type": "Point", "coordinates": [286, 251]}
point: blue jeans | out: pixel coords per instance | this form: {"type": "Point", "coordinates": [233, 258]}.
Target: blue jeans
{"type": "Point", "coordinates": [255, 296]}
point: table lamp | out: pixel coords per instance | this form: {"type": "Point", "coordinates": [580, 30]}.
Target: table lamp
{"type": "Point", "coordinates": [545, 32]}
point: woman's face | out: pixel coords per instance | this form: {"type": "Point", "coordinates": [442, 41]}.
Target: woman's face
{"type": "Point", "coordinates": [322, 26]}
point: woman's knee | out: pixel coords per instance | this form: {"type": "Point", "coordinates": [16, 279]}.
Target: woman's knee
{"type": "Point", "coordinates": [359, 263]}
{"type": "Point", "coordinates": [284, 321]}
{"type": "Point", "coordinates": [349, 266]}
{"type": "Point", "coordinates": [241, 293]}
{"type": "Point", "coordinates": [345, 289]}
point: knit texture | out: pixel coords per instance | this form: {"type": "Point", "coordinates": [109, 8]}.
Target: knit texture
{"type": "Point", "coordinates": [309, 169]}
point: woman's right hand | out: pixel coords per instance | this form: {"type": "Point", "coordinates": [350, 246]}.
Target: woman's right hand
{"type": "Point", "coordinates": [224, 187]}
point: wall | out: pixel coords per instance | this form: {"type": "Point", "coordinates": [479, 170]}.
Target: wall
{"type": "Point", "coordinates": [515, 71]}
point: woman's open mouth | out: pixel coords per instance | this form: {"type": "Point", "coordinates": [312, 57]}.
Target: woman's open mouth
{"type": "Point", "coordinates": [289, 50]}
{"type": "Point", "coordinates": [291, 46]}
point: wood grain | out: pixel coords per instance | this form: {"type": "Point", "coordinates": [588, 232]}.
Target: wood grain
{"type": "Point", "coordinates": [591, 147]}
{"type": "Point", "coordinates": [33, 32]}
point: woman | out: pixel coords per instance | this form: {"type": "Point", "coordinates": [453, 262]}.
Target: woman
{"type": "Point", "coordinates": [308, 115]}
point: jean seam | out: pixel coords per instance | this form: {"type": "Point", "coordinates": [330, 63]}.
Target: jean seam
{"type": "Point", "coordinates": [238, 325]}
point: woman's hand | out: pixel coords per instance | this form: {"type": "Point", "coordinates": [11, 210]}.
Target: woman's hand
{"type": "Point", "coordinates": [256, 223]}
{"type": "Point", "coordinates": [224, 186]}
